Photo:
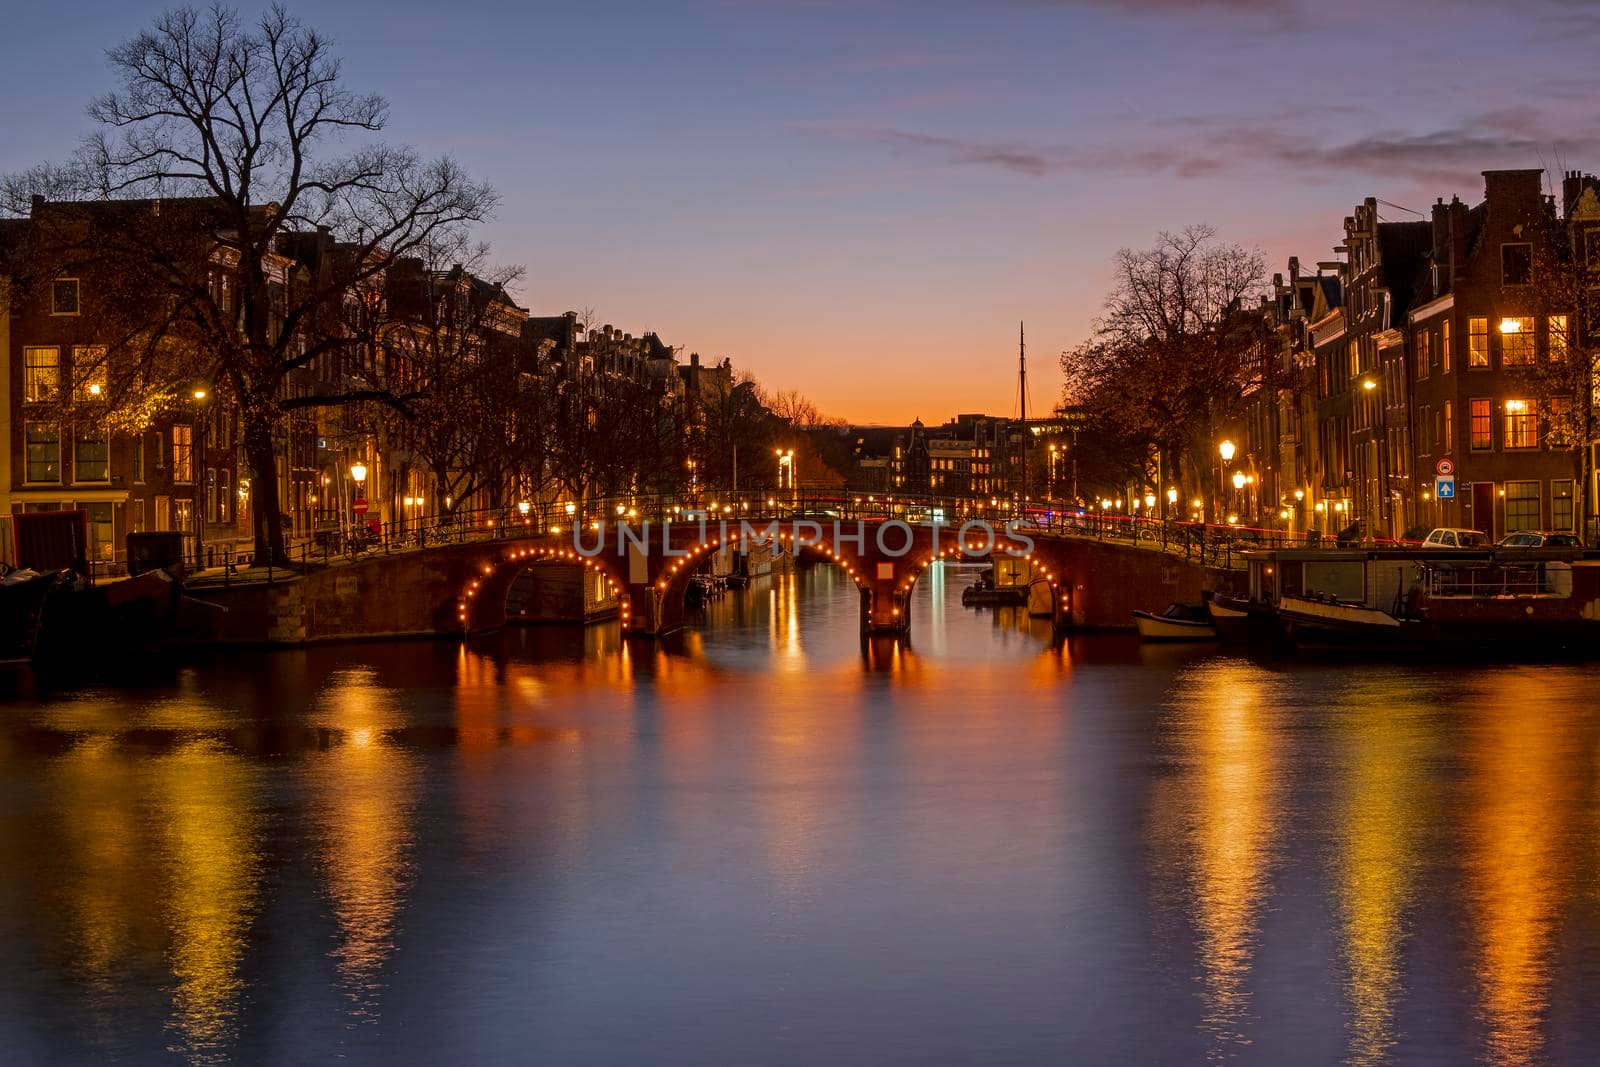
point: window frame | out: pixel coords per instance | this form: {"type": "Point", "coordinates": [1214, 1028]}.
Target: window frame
{"type": "Point", "coordinates": [102, 438]}
{"type": "Point", "coordinates": [1506, 246]}
{"type": "Point", "coordinates": [1526, 348]}
{"type": "Point", "coordinates": [27, 453]}
{"type": "Point", "coordinates": [77, 298]}
{"type": "Point", "coordinates": [182, 456]}
{"type": "Point", "coordinates": [1519, 424]}
{"type": "Point", "coordinates": [1558, 340]}
{"type": "Point", "coordinates": [1571, 507]}
{"type": "Point", "coordinates": [30, 372]}
{"type": "Point", "coordinates": [1473, 349]}
{"type": "Point", "coordinates": [1473, 420]}
{"type": "Point", "coordinates": [1520, 498]}
{"type": "Point", "coordinates": [82, 385]}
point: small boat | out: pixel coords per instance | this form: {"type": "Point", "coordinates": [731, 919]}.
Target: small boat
{"type": "Point", "coordinates": [985, 591]}
{"type": "Point", "coordinates": [1180, 622]}
{"type": "Point", "coordinates": [1245, 621]}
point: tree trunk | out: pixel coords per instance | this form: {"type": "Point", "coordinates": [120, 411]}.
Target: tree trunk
{"type": "Point", "coordinates": [266, 518]}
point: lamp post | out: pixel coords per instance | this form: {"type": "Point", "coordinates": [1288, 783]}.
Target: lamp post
{"type": "Point", "coordinates": [786, 468]}
{"type": "Point", "coordinates": [1371, 386]}
{"type": "Point", "coordinates": [358, 475]}
{"type": "Point", "coordinates": [198, 462]}
{"type": "Point", "coordinates": [1226, 450]}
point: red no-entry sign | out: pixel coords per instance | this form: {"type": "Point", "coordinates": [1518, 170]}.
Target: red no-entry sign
{"type": "Point", "coordinates": [359, 505]}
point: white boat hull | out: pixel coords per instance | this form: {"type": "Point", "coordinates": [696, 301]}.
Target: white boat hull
{"type": "Point", "coordinates": [1162, 628]}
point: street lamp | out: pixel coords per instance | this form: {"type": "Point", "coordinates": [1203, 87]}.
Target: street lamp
{"type": "Point", "coordinates": [1226, 450]}
{"type": "Point", "coordinates": [197, 462]}
{"type": "Point", "coordinates": [358, 472]}
{"type": "Point", "coordinates": [1238, 479]}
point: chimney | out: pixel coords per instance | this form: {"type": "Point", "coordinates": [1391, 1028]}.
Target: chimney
{"type": "Point", "coordinates": [1294, 269]}
{"type": "Point", "coordinates": [1513, 186]}
{"type": "Point", "coordinates": [38, 203]}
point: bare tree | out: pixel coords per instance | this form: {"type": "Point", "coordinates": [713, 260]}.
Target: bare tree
{"type": "Point", "coordinates": [247, 284]}
{"type": "Point", "coordinates": [1176, 346]}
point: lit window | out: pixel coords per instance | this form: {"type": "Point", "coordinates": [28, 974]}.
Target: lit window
{"type": "Point", "coordinates": [1482, 424]}
{"type": "Point", "coordinates": [183, 453]}
{"type": "Point", "coordinates": [1477, 342]}
{"type": "Point", "coordinates": [1522, 424]}
{"type": "Point", "coordinates": [1561, 428]}
{"type": "Point", "coordinates": [64, 297]}
{"type": "Point", "coordinates": [41, 374]}
{"type": "Point", "coordinates": [1558, 337]}
{"type": "Point", "coordinates": [89, 373]}
{"type": "Point", "coordinates": [1424, 352]}
{"type": "Point", "coordinates": [1444, 346]}
{"type": "Point", "coordinates": [43, 444]}
{"type": "Point", "coordinates": [1448, 437]}
{"type": "Point", "coordinates": [1516, 342]}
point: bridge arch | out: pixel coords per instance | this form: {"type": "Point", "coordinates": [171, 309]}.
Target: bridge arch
{"type": "Point", "coordinates": [481, 600]}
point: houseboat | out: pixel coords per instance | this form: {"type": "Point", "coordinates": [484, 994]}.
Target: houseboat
{"type": "Point", "coordinates": [1546, 599]}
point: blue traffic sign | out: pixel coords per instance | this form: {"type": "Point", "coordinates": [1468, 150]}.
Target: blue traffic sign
{"type": "Point", "coordinates": [1445, 488]}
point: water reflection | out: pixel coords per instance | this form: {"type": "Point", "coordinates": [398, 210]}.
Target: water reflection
{"type": "Point", "coordinates": [210, 846]}
{"type": "Point", "coordinates": [968, 843]}
{"type": "Point", "coordinates": [1379, 816]}
{"type": "Point", "coordinates": [362, 791]}
{"type": "Point", "coordinates": [1529, 772]}
{"type": "Point", "coordinates": [1214, 824]}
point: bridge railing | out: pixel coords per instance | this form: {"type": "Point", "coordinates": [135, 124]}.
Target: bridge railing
{"type": "Point", "coordinates": [1213, 544]}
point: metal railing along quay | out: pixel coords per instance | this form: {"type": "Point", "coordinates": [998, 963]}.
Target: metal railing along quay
{"type": "Point", "coordinates": [1210, 544]}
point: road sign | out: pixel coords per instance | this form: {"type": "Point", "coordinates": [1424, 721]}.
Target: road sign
{"type": "Point", "coordinates": [1445, 468]}
{"type": "Point", "coordinates": [359, 505]}
{"type": "Point", "coordinates": [1445, 488]}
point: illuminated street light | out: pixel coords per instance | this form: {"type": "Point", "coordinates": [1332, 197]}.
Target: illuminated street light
{"type": "Point", "coordinates": [572, 509]}
{"type": "Point", "coordinates": [1150, 500]}
{"type": "Point", "coordinates": [1368, 384]}
{"type": "Point", "coordinates": [1226, 450]}
{"type": "Point", "coordinates": [1172, 496]}
{"type": "Point", "coordinates": [1238, 479]}
{"type": "Point", "coordinates": [358, 472]}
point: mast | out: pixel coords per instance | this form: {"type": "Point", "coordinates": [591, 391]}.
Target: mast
{"type": "Point", "coordinates": [1022, 394]}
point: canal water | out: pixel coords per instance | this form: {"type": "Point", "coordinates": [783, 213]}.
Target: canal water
{"type": "Point", "coordinates": [763, 843]}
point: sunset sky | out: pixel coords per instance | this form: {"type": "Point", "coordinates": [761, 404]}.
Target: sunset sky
{"type": "Point", "coordinates": [860, 200]}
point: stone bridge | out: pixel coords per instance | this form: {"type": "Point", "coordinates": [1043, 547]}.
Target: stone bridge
{"type": "Point", "coordinates": [461, 589]}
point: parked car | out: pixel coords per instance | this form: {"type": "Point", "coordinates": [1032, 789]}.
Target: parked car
{"type": "Point", "coordinates": [1540, 539]}
{"type": "Point", "coordinates": [1449, 537]}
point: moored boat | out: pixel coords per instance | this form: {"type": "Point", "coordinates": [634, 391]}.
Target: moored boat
{"type": "Point", "coordinates": [1245, 620]}
{"type": "Point", "coordinates": [1180, 622]}
{"type": "Point", "coordinates": [1486, 601]}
